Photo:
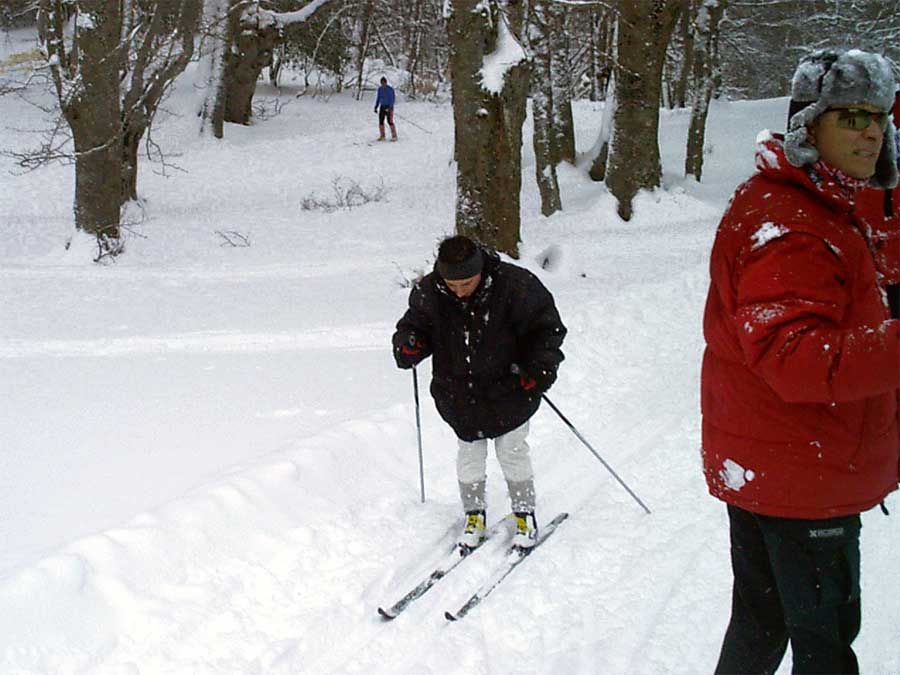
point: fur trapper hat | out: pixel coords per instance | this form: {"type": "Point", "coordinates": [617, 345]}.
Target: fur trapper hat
{"type": "Point", "coordinates": [829, 78]}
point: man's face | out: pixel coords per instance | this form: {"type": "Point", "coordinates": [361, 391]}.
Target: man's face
{"type": "Point", "coordinates": [463, 288]}
{"type": "Point", "coordinates": [851, 150]}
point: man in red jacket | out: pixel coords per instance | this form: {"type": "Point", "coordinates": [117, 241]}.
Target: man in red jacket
{"type": "Point", "coordinates": [801, 371]}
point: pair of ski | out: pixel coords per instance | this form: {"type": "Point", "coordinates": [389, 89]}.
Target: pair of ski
{"type": "Point", "coordinates": [513, 559]}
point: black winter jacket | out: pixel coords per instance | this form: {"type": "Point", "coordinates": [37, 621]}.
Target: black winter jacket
{"type": "Point", "coordinates": [510, 319]}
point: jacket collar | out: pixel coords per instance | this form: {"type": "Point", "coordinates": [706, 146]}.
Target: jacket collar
{"type": "Point", "coordinates": [823, 186]}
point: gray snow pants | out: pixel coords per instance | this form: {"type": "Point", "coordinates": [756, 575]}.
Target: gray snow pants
{"type": "Point", "coordinates": [515, 462]}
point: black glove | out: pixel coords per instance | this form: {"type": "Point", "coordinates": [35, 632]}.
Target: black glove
{"type": "Point", "coordinates": [409, 352]}
{"type": "Point", "coordinates": [376, 110]}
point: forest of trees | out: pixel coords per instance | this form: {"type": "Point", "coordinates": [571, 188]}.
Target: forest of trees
{"type": "Point", "coordinates": [111, 63]}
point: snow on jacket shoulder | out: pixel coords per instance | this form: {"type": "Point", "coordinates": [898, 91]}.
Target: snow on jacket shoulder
{"type": "Point", "coordinates": [802, 365]}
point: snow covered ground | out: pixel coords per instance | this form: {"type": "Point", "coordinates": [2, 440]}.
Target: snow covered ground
{"type": "Point", "coordinates": [208, 460]}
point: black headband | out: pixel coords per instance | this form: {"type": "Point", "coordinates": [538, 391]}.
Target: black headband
{"type": "Point", "coordinates": [461, 270]}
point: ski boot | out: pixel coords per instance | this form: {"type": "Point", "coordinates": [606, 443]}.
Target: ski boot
{"type": "Point", "coordinates": [473, 533]}
{"type": "Point", "coordinates": [526, 531]}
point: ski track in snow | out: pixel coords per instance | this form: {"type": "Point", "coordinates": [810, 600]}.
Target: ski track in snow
{"type": "Point", "coordinates": [258, 384]}
{"type": "Point", "coordinates": [372, 337]}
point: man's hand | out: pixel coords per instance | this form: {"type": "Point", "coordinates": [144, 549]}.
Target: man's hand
{"type": "Point", "coordinates": [527, 382]}
{"type": "Point", "coordinates": [535, 379]}
{"type": "Point", "coordinates": [409, 352]}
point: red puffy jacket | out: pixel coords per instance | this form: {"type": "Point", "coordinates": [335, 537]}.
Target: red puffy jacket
{"type": "Point", "coordinates": [802, 365]}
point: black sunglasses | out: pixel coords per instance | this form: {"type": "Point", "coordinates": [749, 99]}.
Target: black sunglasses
{"type": "Point", "coordinates": [859, 120]}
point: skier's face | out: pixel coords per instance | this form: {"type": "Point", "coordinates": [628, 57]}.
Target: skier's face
{"type": "Point", "coordinates": [463, 288]}
{"type": "Point", "coordinates": [849, 139]}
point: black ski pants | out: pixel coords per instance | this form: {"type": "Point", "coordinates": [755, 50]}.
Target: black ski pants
{"type": "Point", "coordinates": [794, 580]}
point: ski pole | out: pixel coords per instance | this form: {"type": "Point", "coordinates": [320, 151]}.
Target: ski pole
{"type": "Point", "coordinates": [419, 433]}
{"type": "Point", "coordinates": [405, 119]}
{"type": "Point", "coordinates": [596, 454]}
{"type": "Point", "coordinates": [516, 370]}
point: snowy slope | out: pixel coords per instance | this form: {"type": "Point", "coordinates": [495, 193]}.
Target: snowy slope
{"type": "Point", "coordinates": [209, 460]}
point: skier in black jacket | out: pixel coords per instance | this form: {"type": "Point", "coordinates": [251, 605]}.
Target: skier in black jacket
{"type": "Point", "coordinates": [495, 336]}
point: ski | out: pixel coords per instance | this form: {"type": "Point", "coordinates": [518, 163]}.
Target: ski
{"type": "Point", "coordinates": [513, 558]}
{"type": "Point", "coordinates": [442, 569]}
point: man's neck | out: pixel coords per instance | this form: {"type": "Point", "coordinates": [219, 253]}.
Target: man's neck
{"type": "Point", "coordinates": [847, 182]}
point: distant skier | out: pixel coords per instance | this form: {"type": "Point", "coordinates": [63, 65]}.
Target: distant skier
{"type": "Point", "coordinates": [384, 106]}
{"type": "Point", "coordinates": [495, 335]}
{"type": "Point", "coordinates": [801, 372]}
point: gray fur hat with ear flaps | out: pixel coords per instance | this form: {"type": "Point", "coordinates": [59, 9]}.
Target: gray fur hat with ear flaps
{"type": "Point", "coordinates": [829, 78]}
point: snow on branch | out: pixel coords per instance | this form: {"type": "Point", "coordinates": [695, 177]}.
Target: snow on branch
{"type": "Point", "coordinates": [282, 19]}
{"type": "Point", "coordinates": [589, 3]}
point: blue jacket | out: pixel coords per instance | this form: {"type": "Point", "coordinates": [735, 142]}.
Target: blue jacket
{"type": "Point", "coordinates": [385, 96]}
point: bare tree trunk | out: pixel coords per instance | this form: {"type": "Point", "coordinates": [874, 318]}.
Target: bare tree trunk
{"type": "Point", "coordinates": [216, 44]}
{"type": "Point", "coordinates": [365, 35]}
{"type": "Point", "coordinates": [253, 34]}
{"type": "Point", "coordinates": [542, 91]}
{"type": "Point", "coordinates": [709, 20]}
{"type": "Point", "coordinates": [643, 36]}
{"type": "Point", "coordinates": [563, 124]}
{"type": "Point", "coordinates": [489, 99]}
{"type": "Point", "coordinates": [687, 66]}
{"type": "Point", "coordinates": [414, 45]}
{"type": "Point", "coordinates": [87, 83]}
{"type": "Point", "coordinates": [163, 46]}
{"type": "Point", "coordinates": [255, 38]}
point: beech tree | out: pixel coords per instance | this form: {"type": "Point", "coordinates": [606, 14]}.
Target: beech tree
{"type": "Point", "coordinates": [644, 30]}
{"type": "Point", "coordinates": [364, 32]}
{"type": "Point", "coordinates": [708, 16]}
{"type": "Point", "coordinates": [489, 74]}
{"type": "Point", "coordinates": [563, 125]}
{"type": "Point", "coordinates": [111, 64]}
{"type": "Point", "coordinates": [540, 30]}
{"type": "Point", "coordinates": [159, 41]}
{"type": "Point", "coordinates": [243, 36]}
{"type": "Point", "coordinates": [85, 70]}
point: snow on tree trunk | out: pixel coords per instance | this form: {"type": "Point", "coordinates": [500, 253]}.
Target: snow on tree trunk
{"type": "Point", "coordinates": [214, 46]}
{"type": "Point", "coordinates": [600, 152]}
{"type": "Point", "coordinates": [706, 39]}
{"type": "Point", "coordinates": [643, 36]}
{"type": "Point", "coordinates": [542, 107]}
{"type": "Point", "coordinates": [490, 84]}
